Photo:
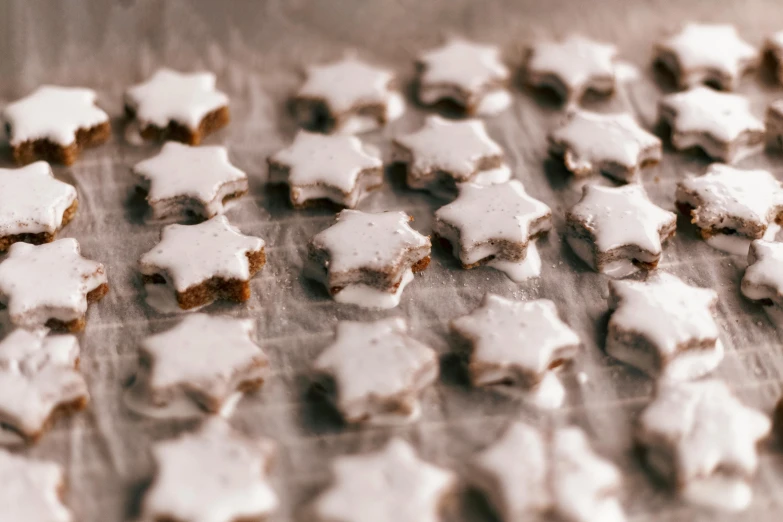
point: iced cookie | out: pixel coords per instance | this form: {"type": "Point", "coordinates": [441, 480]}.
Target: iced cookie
{"type": "Point", "coordinates": [721, 124]}
{"type": "Point", "coordinates": [471, 76]}
{"type": "Point", "coordinates": [390, 485]}
{"type": "Point", "coordinates": [495, 225]}
{"type": "Point", "coordinates": [731, 207]}
{"type": "Point", "coordinates": [39, 380]}
{"type": "Point", "coordinates": [204, 364]}
{"type": "Point", "coordinates": [699, 437]}
{"type": "Point", "coordinates": [318, 167]}
{"type": "Point", "coordinates": [50, 285]}
{"type": "Point", "coordinates": [517, 346]}
{"type": "Point", "coordinates": [530, 473]}
{"type": "Point", "coordinates": [33, 205]}
{"type": "Point", "coordinates": [212, 475]}
{"type": "Point", "coordinates": [367, 259]}
{"type": "Point", "coordinates": [774, 125]}
{"type": "Point", "coordinates": [664, 327]}
{"type": "Point", "coordinates": [612, 144]}
{"type": "Point", "coordinates": [572, 67]}
{"type": "Point", "coordinates": [773, 48]}
{"type": "Point", "coordinates": [712, 54]}
{"type": "Point", "coordinates": [618, 230]}
{"type": "Point", "coordinates": [348, 96]}
{"type": "Point", "coordinates": [194, 265]}
{"type": "Point", "coordinates": [763, 280]}
{"type": "Point", "coordinates": [33, 490]}
{"type": "Point", "coordinates": [54, 124]}
{"type": "Point", "coordinates": [379, 371]}
{"type": "Point", "coordinates": [177, 106]}
{"type": "Point", "coordinates": [446, 152]}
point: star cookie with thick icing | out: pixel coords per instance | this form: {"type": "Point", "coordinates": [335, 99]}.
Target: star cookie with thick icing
{"type": "Point", "coordinates": [318, 167]}
{"type": "Point", "coordinates": [214, 474]}
{"type": "Point", "coordinates": [612, 144]}
{"type": "Point", "coordinates": [390, 485]}
{"type": "Point", "coordinates": [445, 152]}
{"type": "Point", "coordinates": [495, 225]}
{"type": "Point", "coordinates": [50, 285]}
{"type": "Point", "coordinates": [194, 265]}
{"type": "Point", "coordinates": [470, 75]}
{"type": "Point", "coordinates": [177, 106]}
{"type": "Point", "coordinates": [719, 123]}
{"type": "Point", "coordinates": [763, 279]}
{"type": "Point", "coordinates": [32, 490]}
{"type": "Point", "coordinates": [34, 206]}
{"type": "Point", "coordinates": [348, 96]}
{"type": "Point", "coordinates": [54, 124]}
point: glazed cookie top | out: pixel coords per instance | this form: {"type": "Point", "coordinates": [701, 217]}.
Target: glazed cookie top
{"type": "Point", "coordinates": [53, 113]}
{"type": "Point", "coordinates": [31, 490]}
{"type": "Point", "coordinates": [32, 201]}
{"type": "Point", "coordinates": [764, 276]}
{"type": "Point", "coordinates": [28, 351]}
{"type": "Point", "coordinates": [468, 66]}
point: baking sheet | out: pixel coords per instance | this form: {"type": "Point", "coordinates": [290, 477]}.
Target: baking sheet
{"type": "Point", "coordinates": [257, 50]}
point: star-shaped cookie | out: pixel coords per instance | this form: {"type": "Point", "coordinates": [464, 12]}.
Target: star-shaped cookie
{"type": "Point", "coordinates": [719, 123]}
{"type": "Point", "coordinates": [707, 53]}
{"type": "Point", "coordinates": [50, 285]}
{"type": "Point", "coordinates": [348, 96]}
{"type": "Point", "coordinates": [612, 144]}
{"type": "Point", "coordinates": [33, 205]}
{"type": "Point", "coordinates": [773, 47]}
{"type": "Point", "coordinates": [529, 473]}
{"type": "Point", "coordinates": [177, 106]}
{"type": "Point", "coordinates": [380, 371]}
{"type": "Point", "coordinates": [55, 124]}
{"type": "Point", "coordinates": [763, 279]}
{"type": "Point", "coordinates": [704, 440]}
{"type": "Point", "coordinates": [518, 345]}
{"type": "Point", "coordinates": [317, 167]}
{"type": "Point", "coordinates": [390, 485]}
{"type": "Point", "coordinates": [495, 225]}
{"type": "Point", "coordinates": [200, 264]}
{"type": "Point", "coordinates": [445, 152]}
{"type": "Point", "coordinates": [618, 230]}
{"type": "Point", "coordinates": [32, 490]}
{"type": "Point", "coordinates": [572, 67]}
{"type": "Point", "coordinates": [664, 327]}
{"type": "Point", "coordinates": [215, 474]}
{"type": "Point", "coordinates": [469, 74]}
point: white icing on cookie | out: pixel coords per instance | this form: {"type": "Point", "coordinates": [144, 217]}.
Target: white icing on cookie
{"type": "Point", "coordinates": [390, 485]}
{"type": "Point", "coordinates": [49, 281]}
{"type": "Point", "coordinates": [366, 296]}
{"type": "Point", "coordinates": [53, 113]}
{"type": "Point", "coordinates": [31, 490]}
{"type": "Point", "coordinates": [171, 96]}
{"type": "Point", "coordinates": [763, 278]}
{"type": "Point", "coordinates": [519, 271]}
{"type": "Point", "coordinates": [183, 180]}
{"type": "Point", "coordinates": [212, 475]}
{"type": "Point", "coordinates": [738, 245]}
{"type": "Point", "coordinates": [32, 201]}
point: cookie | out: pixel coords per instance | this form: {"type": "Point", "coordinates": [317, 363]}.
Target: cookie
{"type": "Point", "coordinates": [348, 96]}
{"type": "Point", "coordinates": [701, 438]}
{"type": "Point", "coordinates": [773, 48]}
{"type": "Point", "coordinates": [334, 168]}
{"type": "Point", "coordinates": [50, 285]}
{"type": "Point", "coordinates": [194, 265]}
{"type": "Point", "coordinates": [390, 485]}
{"type": "Point", "coordinates": [763, 279]}
{"type": "Point", "coordinates": [205, 364]}
{"type": "Point", "coordinates": [530, 473]}
{"type": "Point", "coordinates": [495, 225]}
{"type": "Point", "coordinates": [611, 144]}
{"type": "Point", "coordinates": [471, 76]}
{"type": "Point", "coordinates": [572, 67]}
{"type": "Point", "coordinates": [33, 205]}
{"type": "Point", "coordinates": [446, 152]}
{"type": "Point", "coordinates": [774, 125]}
{"type": "Point", "coordinates": [182, 182]}
{"type": "Point", "coordinates": [367, 259]}
{"type": "Point", "coordinates": [719, 123]}
{"type": "Point", "coordinates": [39, 380]}
{"type": "Point", "coordinates": [617, 230]}
{"type": "Point", "coordinates": [516, 346]}
{"type": "Point", "coordinates": [731, 207]}
{"type": "Point", "coordinates": [664, 327]}
{"type": "Point", "coordinates": [177, 106]}
{"type": "Point", "coordinates": [54, 124]}
{"type": "Point", "coordinates": [214, 474]}
{"type": "Point", "coordinates": [712, 54]}
{"type": "Point", "coordinates": [33, 490]}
